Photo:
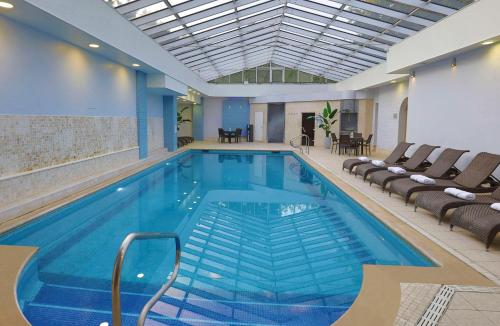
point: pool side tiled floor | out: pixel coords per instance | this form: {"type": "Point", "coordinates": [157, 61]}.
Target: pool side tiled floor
{"type": "Point", "coordinates": [473, 306]}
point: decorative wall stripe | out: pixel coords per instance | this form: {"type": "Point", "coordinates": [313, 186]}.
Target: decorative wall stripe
{"type": "Point", "coordinates": [142, 113]}
{"type": "Point", "coordinates": [170, 122]}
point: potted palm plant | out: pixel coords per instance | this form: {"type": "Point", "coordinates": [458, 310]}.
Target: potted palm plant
{"type": "Point", "coordinates": [180, 118]}
{"type": "Point", "coordinates": [325, 121]}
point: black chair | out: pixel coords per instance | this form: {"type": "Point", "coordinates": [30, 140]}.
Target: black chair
{"type": "Point", "coordinates": [237, 135]}
{"type": "Point", "coordinates": [335, 142]}
{"type": "Point", "coordinates": [222, 136]}
{"type": "Point", "coordinates": [344, 143]}
{"type": "Point", "coordinates": [366, 148]}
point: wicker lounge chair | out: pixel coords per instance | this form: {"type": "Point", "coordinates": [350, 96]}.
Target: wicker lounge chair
{"type": "Point", "coordinates": [396, 156]}
{"type": "Point", "coordinates": [433, 199]}
{"type": "Point", "coordinates": [481, 220]}
{"type": "Point", "coordinates": [442, 168]}
{"type": "Point", "coordinates": [366, 169]}
{"type": "Point", "coordinates": [414, 164]}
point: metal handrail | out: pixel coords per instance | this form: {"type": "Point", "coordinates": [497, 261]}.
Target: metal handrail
{"type": "Point", "coordinates": [300, 146]}
{"type": "Point", "coordinates": [120, 256]}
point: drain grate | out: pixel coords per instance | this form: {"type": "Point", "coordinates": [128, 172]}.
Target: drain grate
{"type": "Point", "coordinates": [437, 307]}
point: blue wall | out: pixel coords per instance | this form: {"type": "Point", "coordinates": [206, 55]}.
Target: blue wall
{"type": "Point", "coordinates": [155, 105]}
{"type": "Point", "coordinates": [42, 75]}
{"type": "Point", "coordinates": [235, 113]}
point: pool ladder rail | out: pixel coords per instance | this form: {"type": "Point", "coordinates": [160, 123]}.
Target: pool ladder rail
{"type": "Point", "coordinates": [120, 256]}
{"type": "Point", "coordinates": [299, 137]}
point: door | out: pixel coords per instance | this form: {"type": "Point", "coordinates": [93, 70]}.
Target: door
{"type": "Point", "coordinates": [259, 126]}
{"type": "Point", "coordinates": [308, 127]}
{"type": "Point", "coordinates": [403, 115]}
{"type": "Point", "coordinates": [275, 122]}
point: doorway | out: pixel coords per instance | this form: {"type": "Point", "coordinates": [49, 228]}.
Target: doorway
{"type": "Point", "coordinates": [308, 127]}
{"type": "Point", "coordinates": [275, 122]}
{"type": "Point", "coordinates": [259, 126]}
{"type": "Point", "coordinates": [403, 117]}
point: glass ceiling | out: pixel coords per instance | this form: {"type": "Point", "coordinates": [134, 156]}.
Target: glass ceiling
{"type": "Point", "coordinates": [334, 39]}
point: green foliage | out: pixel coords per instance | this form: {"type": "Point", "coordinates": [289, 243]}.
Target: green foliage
{"type": "Point", "coordinates": [180, 119]}
{"type": "Point", "coordinates": [326, 119]}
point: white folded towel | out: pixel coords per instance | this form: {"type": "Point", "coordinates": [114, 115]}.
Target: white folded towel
{"type": "Point", "coordinates": [378, 163]}
{"type": "Point", "coordinates": [363, 158]}
{"type": "Point", "coordinates": [423, 179]}
{"type": "Point", "coordinates": [452, 191]}
{"type": "Point", "coordinates": [396, 170]}
{"type": "Point", "coordinates": [460, 194]}
{"type": "Point", "coordinates": [495, 206]}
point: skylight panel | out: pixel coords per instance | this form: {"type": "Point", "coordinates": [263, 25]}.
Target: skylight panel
{"type": "Point", "coordinates": [176, 2]}
{"type": "Point", "coordinates": [261, 12]}
{"type": "Point", "coordinates": [224, 32]}
{"type": "Point", "coordinates": [305, 19]}
{"type": "Point", "coordinates": [175, 29]}
{"type": "Point", "coordinates": [251, 4]}
{"type": "Point", "coordinates": [214, 27]}
{"type": "Point", "coordinates": [300, 27]}
{"type": "Point", "coordinates": [339, 38]}
{"type": "Point", "coordinates": [165, 20]}
{"type": "Point", "coordinates": [340, 29]}
{"type": "Point", "coordinates": [150, 9]}
{"type": "Point", "coordinates": [309, 10]}
{"type": "Point", "coordinates": [203, 7]}
{"type": "Point", "coordinates": [202, 20]}
{"type": "Point", "coordinates": [297, 34]}
{"type": "Point", "coordinates": [344, 20]}
{"type": "Point", "coordinates": [328, 3]}
{"type": "Point", "coordinates": [260, 21]}
{"type": "Point", "coordinates": [116, 3]}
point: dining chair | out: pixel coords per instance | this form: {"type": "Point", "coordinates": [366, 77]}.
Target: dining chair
{"type": "Point", "coordinates": [222, 136]}
{"type": "Point", "coordinates": [335, 142]}
{"type": "Point", "coordinates": [237, 135]}
{"type": "Point", "coordinates": [367, 145]}
{"type": "Point", "coordinates": [344, 143]}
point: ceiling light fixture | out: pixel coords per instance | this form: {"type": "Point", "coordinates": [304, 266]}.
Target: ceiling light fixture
{"type": "Point", "coordinates": [412, 74]}
{"type": "Point", "coordinates": [94, 46]}
{"type": "Point", "coordinates": [136, 65]}
{"type": "Point", "coordinates": [6, 5]}
{"type": "Point", "coordinates": [488, 42]}
{"type": "Point", "coordinates": [454, 63]}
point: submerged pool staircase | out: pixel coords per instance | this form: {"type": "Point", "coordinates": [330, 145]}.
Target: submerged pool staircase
{"type": "Point", "coordinates": [231, 275]}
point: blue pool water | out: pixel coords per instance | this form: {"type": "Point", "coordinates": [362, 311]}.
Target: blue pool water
{"type": "Point", "coordinates": [265, 240]}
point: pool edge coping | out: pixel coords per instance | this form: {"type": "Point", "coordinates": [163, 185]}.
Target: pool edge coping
{"type": "Point", "coordinates": [377, 279]}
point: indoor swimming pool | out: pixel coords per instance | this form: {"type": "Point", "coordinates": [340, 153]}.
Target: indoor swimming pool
{"type": "Point", "coordinates": [266, 240]}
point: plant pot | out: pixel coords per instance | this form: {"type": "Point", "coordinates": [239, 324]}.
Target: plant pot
{"type": "Point", "coordinates": [327, 142]}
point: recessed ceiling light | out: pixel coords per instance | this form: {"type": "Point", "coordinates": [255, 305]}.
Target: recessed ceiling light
{"type": "Point", "coordinates": [6, 5]}
{"type": "Point", "coordinates": [119, 189]}
{"type": "Point", "coordinates": [104, 323]}
{"type": "Point", "coordinates": [136, 65]}
{"type": "Point", "coordinates": [93, 45]}
{"type": "Point", "coordinates": [488, 42]}
{"type": "Point", "coordinates": [393, 81]}
{"type": "Point", "coordinates": [140, 275]}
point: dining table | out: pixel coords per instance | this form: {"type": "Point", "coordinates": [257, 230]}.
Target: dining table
{"type": "Point", "coordinates": [229, 134]}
